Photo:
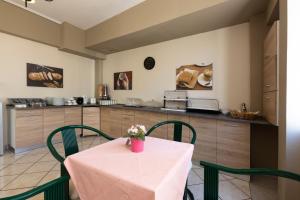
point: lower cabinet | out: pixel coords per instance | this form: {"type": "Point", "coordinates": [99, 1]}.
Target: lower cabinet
{"type": "Point", "coordinates": [73, 116]}
{"type": "Point", "coordinates": [233, 144]}
{"type": "Point", "coordinates": [150, 119]}
{"type": "Point", "coordinates": [90, 117]}
{"type": "Point", "coordinates": [205, 148]}
{"type": "Point", "coordinates": [27, 130]}
{"type": "Point", "coordinates": [53, 118]}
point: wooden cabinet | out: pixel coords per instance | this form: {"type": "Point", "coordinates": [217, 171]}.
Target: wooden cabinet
{"type": "Point", "coordinates": [90, 117]}
{"type": "Point", "coordinates": [111, 121]}
{"type": "Point", "coordinates": [28, 128]}
{"type": "Point", "coordinates": [233, 144]}
{"type": "Point", "coordinates": [206, 143]}
{"type": "Point", "coordinates": [73, 116]}
{"type": "Point", "coordinates": [149, 119]}
{"type": "Point", "coordinates": [271, 74]}
{"type": "Point", "coordinates": [186, 133]}
{"type": "Point", "coordinates": [270, 106]}
{"type": "Point", "coordinates": [53, 118]}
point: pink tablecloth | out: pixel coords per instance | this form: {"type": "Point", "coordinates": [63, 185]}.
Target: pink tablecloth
{"type": "Point", "coordinates": [112, 172]}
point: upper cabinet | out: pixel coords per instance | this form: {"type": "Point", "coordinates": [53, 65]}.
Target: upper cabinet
{"type": "Point", "coordinates": [271, 74]}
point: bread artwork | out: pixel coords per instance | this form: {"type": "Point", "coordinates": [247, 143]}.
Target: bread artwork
{"type": "Point", "coordinates": [44, 76]}
{"type": "Point", "coordinates": [187, 78]}
{"type": "Point", "coordinates": [207, 74]}
{"type": "Point", "coordinates": [194, 77]}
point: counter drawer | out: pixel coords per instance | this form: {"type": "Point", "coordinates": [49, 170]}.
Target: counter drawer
{"type": "Point", "coordinates": [29, 113]}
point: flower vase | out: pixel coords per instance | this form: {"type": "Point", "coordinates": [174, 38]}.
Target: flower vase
{"type": "Point", "coordinates": [137, 145]}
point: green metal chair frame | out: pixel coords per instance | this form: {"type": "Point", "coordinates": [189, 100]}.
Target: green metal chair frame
{"type": "Point", "coordinates": [69, 142]}
{"type": "Point", "coordinates": [211, 176]}
{"type": "Point", "coordinates": [57, 189]}
{"type": "Point", "coordinates": [177, 130]}
{"type": "Point", "coordinates": [177, 136]}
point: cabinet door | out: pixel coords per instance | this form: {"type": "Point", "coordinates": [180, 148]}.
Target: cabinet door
{"type": "Point", "coordinates": [91, 117]}
{"type": "Point", "coordinates": [270, 73]}
{"type": "Point", "coordinates": [127, 122]}
{"type": "Point", "coordinates": [111, 121]}
{"type": "Point", "coordinates": [206, 142]}
{"type": "Point", "coordinates": [73, 116]}
{"type": "Point", "coordinates": [29, 128]}
{"type": "Point", "coordinates": [233, 144]}
{"type": "Point", "coordinates": [186, 133]}
{"type": "Point", "coordinates": [149, 119]}
{"type": "Point", "coordinates": [271, 40]}
{"type": "Point", "coordinates": [115, 123]}
{"type": "Point", "coordinates": [270, 107]}
{"type": "Point", "coordinates": [53, 118]}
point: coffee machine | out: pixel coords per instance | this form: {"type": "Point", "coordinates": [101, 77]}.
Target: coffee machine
{"type": "Point", "coordinates": [103, 92]}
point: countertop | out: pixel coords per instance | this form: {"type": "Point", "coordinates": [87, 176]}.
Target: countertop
{"type": "Point", "coordinates": [158, 110]}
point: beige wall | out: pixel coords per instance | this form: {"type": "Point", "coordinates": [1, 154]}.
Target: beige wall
{"type": "Point", "coordinates": [227, 48]}
{"type": "Point", "coordinates": [16, 52]}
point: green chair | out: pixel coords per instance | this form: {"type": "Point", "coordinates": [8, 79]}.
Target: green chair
{"type": "Point", "coordinates": [70, 142]}
{"type": "Point", "coordinates": [211, 176]}
{"type": "Point", "coordinates": [177, 136]}
{"type": "Point", "coordinates": [57, 189]}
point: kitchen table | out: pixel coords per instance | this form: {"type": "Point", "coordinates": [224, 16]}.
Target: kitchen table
{"type": "Point", "coordinates": [111, 171]}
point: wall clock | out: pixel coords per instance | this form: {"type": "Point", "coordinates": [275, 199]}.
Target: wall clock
{"type": "Point", "coordinates": [149, 63]}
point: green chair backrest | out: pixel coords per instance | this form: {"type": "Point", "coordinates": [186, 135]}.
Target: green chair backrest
{"type": "Point", "coordinates": [177, 136]}
{"type": "Point", "coordinates": [69, 142]}
{"type": "Point", "coordinates": [57, 189]}
{"type": "Point", "coordinates": [211, 176]}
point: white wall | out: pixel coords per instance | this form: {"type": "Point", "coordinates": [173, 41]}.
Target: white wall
{"type": "Point", "coordinates": [15, 52]}
{"type": "Point", "coordinates": [228, 49]}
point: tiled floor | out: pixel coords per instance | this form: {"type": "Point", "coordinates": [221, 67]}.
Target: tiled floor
{"type": "Point", "coordinates": [19, 173]}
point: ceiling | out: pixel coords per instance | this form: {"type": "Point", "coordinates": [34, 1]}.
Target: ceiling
{"type": "Point", "coordinates": [81, 13]}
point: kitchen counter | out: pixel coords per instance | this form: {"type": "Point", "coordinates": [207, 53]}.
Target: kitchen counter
{"type": "Point", "coordinates": [192, 114]}
{"type": "Point", "coordinates": [158, 110]}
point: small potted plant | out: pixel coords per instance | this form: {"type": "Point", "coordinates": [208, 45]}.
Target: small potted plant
{"type": "Point", "coordinates": [137, 137]}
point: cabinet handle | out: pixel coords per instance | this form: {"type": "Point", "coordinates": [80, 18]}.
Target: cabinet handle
{"type": "Point", "coordinates": [268, 85]}
{"type": "Point", "coordinates": [267, 98]}
{"type": "Point", "coordinates": [232, 125]}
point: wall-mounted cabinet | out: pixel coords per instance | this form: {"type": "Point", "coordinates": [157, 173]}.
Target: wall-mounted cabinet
{"type": "Point", "coordinates": [271, 74]}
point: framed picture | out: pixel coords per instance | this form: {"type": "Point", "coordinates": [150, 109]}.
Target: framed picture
{"type": "Point", "coordinates": [123, 80]}
{"type": "Point", "coordinates": [44, 76]}
{"type": "Point", "coordinates": [194, 77]}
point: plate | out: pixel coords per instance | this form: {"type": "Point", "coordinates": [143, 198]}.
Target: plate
{"type": "Point", "coordinates": [204, 82]}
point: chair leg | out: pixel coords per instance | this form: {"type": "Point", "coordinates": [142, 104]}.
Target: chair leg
{"type": "Point", "coordinates": [211, 183]}
{"type": "Point", "coordinates": [188, 195]}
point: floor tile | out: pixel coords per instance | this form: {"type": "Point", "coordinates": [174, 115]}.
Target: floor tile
{"type": "Point", "coordinates": [15, 169]}
{"type": "Point", "coordinates": [197, 191]}
{"type": "Point", "coordinates": [6, 193]}
{"type": "Point", "coordinates": [200, 172]}
{"type": "Point", "coordinates": [25, 181]}
{"type": "Point", "coordinates": [49, 177]}
{"type": "Point", "coordinates": [194, 179]}
{"type": "Point", "coordinates": [242, 185]}
{"type": "Point", "coordinates": [41, 167]}
{"type": "Point", "coordinates": [29, 158]}
{"type": "Point", "coordinates": [47, 158]}
{"type": "Point", "coordinates": [4, 180]}
{"type": "Point", "coordinates": [228, 191]}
